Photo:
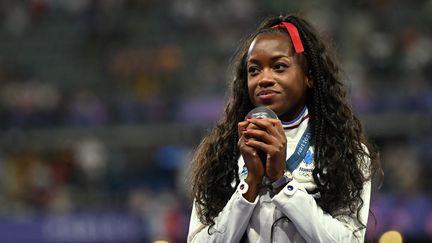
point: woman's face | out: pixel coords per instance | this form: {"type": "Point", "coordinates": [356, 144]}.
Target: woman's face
{"type": "Point", "coordinates": [275, 76]}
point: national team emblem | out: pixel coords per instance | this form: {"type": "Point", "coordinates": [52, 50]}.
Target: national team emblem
{"type": "Point", "coordinates": [308, 158]}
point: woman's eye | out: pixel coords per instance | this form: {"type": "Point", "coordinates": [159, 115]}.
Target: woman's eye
{"type": "Point", "coordinates": [253, 71]}
{"type": "Point", "coordinates": [280, 67]}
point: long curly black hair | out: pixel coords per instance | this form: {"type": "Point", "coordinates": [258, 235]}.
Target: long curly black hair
{"type": "Point", "coordinates": [338, 138]}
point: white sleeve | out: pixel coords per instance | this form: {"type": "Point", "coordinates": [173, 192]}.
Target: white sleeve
{"type": "Point", "coordinates": [230, 224]}
{"type": "Point", "coordinates": [313, 223]}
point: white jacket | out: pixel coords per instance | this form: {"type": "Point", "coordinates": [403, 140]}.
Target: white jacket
{"type": "Point", "coordinates": [289, 216]}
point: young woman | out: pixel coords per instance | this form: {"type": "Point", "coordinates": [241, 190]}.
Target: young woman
{"type": "Point", "coordinates": [304, 177]}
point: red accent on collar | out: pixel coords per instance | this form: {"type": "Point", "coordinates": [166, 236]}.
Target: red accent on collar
{"type": "Point", "coordinates": [293, 32]}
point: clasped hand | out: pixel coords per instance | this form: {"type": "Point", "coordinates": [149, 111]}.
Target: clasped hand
{"type": "Point", "coordinates": [266, 135]}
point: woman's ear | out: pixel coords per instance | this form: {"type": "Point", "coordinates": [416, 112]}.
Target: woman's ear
{"type": "Point", "coordinates": [308, 74]}
{"type": "Point", "coordinates": [309, 81]}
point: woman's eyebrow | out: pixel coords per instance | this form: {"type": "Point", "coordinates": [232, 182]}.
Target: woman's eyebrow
{"type": "Point", "coordinates": [292, 59]}
{"type": "Point", "coordinates": [253, 61]}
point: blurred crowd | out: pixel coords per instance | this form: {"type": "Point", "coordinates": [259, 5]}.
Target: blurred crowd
{"type": "Point", "coordinates": [102, 102]}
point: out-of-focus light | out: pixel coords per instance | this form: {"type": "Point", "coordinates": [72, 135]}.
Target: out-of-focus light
{"type": "Point", "coordinates": [391, 237]}
{"type": "Point", "coordinates": [161, 241]}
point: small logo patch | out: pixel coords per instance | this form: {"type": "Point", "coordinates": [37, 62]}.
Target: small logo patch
{"type": "Point", "coordinates": [308, 157]}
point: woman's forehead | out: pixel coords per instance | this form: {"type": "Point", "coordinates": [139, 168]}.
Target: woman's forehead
{"type": "Point", "coordinates": [273, 43]}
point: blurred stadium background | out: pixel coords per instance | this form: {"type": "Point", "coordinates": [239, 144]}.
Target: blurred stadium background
{"type": "Point", "coordinates": [102, 102]}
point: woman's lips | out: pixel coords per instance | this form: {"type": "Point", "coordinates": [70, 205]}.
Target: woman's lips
{"type": "Point", "coordinates": [266, 95]}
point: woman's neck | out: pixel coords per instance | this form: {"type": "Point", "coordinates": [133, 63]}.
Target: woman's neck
{"type": "Point", "coordinates": [296, 117]}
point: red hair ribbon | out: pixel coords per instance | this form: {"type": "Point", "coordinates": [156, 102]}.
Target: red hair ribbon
{"type": "Point", "coordinates": [293, 32]}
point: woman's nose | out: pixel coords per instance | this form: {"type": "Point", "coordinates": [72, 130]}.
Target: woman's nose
{"type": "Point", "coordinates": [267, 79]}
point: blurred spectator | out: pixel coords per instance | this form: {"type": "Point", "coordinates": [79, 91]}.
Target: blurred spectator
{"type": "Point", "coordinates": [91, 157]}
{"type": "Point", "coordinates": [86, 109]}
